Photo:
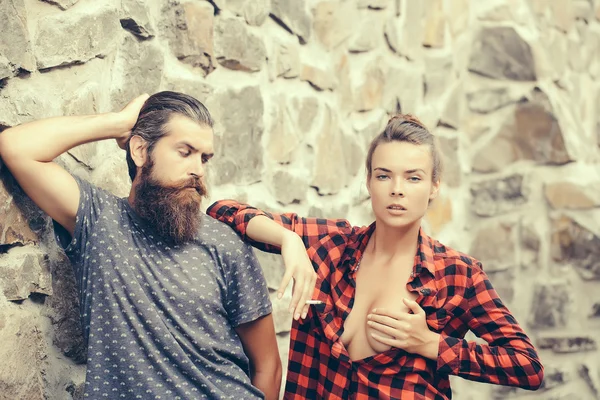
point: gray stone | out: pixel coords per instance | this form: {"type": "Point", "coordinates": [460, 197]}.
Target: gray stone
{"type": "Point", "coordinates": [533, 134]}
{"type": "Point", "coordinates": [530, 245]}
{"type": "Point", "coordinates": [294, 16]}
{"type": "Point", "coordinates": [439, 75]}
{"type": "Point", "coordinates": [575, 245]}
{"type": "Point", "coordinates": [256, 12]}
{"type": "Point", "coordinates": [504, 283]}
{"type": "Point", "coordinates": [21, 221]}
{"type": "Point", "coordinates": [500, 53]}
{"type": "Point", "coordinates": [189, 28]}
{"type": "Point", "coordinates": [489, 100]}
{"type": "Point", "coordinates": [497, 196]}
{"type": "Point", "coordinates": [77, 36]}
{"type": "Point", "coordinates": [591, 376]}
{"type": "Point", "coordinates": [354, 154]}
{"type": "Point", "coordinates": [62, 309]}
{"type": "Point", "coordinates": [239, 116]}
{"type": "Point", "coordinates": [135, 19]}
{"type": "Point", "coordinates": [285, 60]}
{"type": "Point", "coordinates": [404, 36]}
{"type": "Point", "coordinates": [566, 344]}
{"type": "Point", "coordinates": [551, 305]}
{"type": "Point", "coordinates": [403, 89]}
{"type": "Point", "coordinates": [289, 188]}
{"type": "Point", "coordinates": [24, 361]}
{"type": "Point", "coordinates": [453, 110]}
{"type": "Point", "coordinates": [284, 133]}
{"type": "Point", "coordinates": [334, 22]}
{"type": "Point", "coordinates": [368, 125]}
{"type": "Point", "coordinates": [273, 268]}
{"type": "Point", "coordinates": [5, 67]}
{"type": "Point", "coordinates": [367, 34]}
{"type": "Point", "coordinates": [139, 66]}
{"type": "Point", "coordinates": [282, 317]}
{"type": "Point", "coordinates": [333, 211]}
{"type": "Point", "coordinates": [15, 45]}
{"type": "Point", "coordinates": [24, 271]}
{"type": "Point", "coordinates": [192, 86]}
{"type": "Point", "coordinates": [236, 47]}
{"type": "Point", "coordinates": [494, 246]}
{"type": "Point", "coordinates": [62, 4]}
{"type": "Point", "coordinates": [449, 149]}
{"type": "Point", "coordinates": [329, 156]}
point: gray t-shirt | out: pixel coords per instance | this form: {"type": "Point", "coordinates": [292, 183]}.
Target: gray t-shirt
{"type": "Point", "coordinates": [159, 320]}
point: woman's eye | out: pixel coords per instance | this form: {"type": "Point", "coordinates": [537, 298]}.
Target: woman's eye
{"type": "Point", "coordinates": [381, 177]}
{"type": "Point", "coordinates": [414, 179]}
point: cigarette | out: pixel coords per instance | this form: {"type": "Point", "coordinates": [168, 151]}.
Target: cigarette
{"type": "Point", "coordinates": [314, 302]}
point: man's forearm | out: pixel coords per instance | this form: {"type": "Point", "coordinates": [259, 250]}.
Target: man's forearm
{"type": "Point", "coordinates": [46, 139]}
{"type": "Point", "coordinates": [268, 382]}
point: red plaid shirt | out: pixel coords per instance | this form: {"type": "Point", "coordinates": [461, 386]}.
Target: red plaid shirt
{"type": "Point", "coordinates": [452, 289]}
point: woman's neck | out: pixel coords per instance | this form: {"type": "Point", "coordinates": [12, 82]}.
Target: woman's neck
{"type": "Point", "coordinates": [393, 243]}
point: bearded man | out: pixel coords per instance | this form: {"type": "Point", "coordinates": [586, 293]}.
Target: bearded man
{"type": "Point", "coordinates": [173, 304]}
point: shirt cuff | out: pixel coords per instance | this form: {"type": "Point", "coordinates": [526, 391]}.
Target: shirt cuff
{"type": "Point", "coordinates": [448, 361]}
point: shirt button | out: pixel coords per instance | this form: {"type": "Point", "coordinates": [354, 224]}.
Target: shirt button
{"type": "Point", "coordinates": [426, 292]}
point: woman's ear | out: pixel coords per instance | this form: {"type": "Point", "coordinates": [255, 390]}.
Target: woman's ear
{"type": "Point", "coordinates": [435, 188]}
{"type": "Point", "coordinates": [139, 150]}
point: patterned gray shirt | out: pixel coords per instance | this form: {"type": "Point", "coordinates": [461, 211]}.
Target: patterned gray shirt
{"type": "Point", "coordinates": [159, 320]}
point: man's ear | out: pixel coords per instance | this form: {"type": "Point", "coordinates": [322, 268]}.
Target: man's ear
{"type": "Point", "coordinates": [139, 150]}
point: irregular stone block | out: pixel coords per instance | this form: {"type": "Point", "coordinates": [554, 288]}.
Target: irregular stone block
{"type": "Point", "coordinates": [289, 188]}
{"type": "Point", "coordinates": [500, 53]}
{"type": "Point", "coordinates": [485, 101]}
{"type": "Point", "coordinates": [572, 195]}
{"type": "Point", "coordinates": [497, 196]}
{"type": "Point", "coordinates": [575, 245]}
{"type": "Point", "coordinates": [285, 60]}
{"type": "Point", "coordinates": [24, 356]}
{"type": "Point", "coordinates": [452, 174]}
{"type": "Point", "coordinates": [551, 305]}
{"type": "Point", "coordinates": [76, 36]}
{"type": "Point", "coordinates": [138, 69]}
{"type": "Point", "coordinates": [62, 4]}
{"type": "Point", "coordinates": [272, 266]}
{"type": "Point", "coordinates": [333, 22]}
{"type": "Point", "coordinates": [494, 246]}
{"type": "Point", "coordinates": [236, 47]}
{"type": "Point", "coordinates": [321, 78]}
{"type": "Point", "coordinates": [189, 28]}
{"type": "Point", "coordinates": [294, 16]}
{"type": "Point", "coordinates": [15, 45]}
{"type": "Point", "coordinates": [135, 19]}
{"type": "Point", "coordinates": [567, 344]}
{"type": "Point", "coordinates": [24, 271]}
{"type": "Point", "coordinates": [239, 128]}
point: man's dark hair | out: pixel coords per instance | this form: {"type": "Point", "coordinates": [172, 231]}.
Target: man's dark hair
{"type": "Point", "coordinates": [155, 114]}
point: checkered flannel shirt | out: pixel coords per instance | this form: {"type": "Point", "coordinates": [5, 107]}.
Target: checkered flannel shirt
{"type": "Point", "coordinates": [452, 289]}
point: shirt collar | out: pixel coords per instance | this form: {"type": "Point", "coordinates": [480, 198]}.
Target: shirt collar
{"type": "Point", "coordinates": [424, 259]}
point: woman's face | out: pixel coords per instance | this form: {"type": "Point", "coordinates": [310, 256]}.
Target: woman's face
{"type": "Point", "coordinates": [401, 183]}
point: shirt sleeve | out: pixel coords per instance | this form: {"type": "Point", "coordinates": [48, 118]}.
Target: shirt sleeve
{"type": "Point", "coordinates": [91, 203]}
{"type": "Point", "coordinates": [247, 292]}
{"type": "Point", "coordinates": [311, 230]}
{"type": "Point", "coordinates": [508, 358]}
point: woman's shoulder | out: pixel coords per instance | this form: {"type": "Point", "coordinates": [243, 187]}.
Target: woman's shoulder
{"type": "Point", "coordinates": [452, 260]}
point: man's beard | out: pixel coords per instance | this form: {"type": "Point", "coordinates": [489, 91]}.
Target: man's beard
{"type": "Point", "coordinates": [172, 211]}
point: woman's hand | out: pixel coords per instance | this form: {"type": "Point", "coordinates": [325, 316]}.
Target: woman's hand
{"type": "Point", "coordinates": [406, 331]}
{"type": "Point", "coordinates": [299, 267]}
{"type": "Point", "coordinates": [129, 115]}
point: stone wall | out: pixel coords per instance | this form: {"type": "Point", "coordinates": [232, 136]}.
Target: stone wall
{"type": "Point", "coordinates": [511, 88]}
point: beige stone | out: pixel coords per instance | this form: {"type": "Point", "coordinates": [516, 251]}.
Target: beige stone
{"type": "Point", "coordinates": [284, 133]}
{"type": "Point", "coordinates": [15, 45]}
{"type": "Point", "coordinates": [237, 47]}
{"type": "Point", "coordinates": [435, 24]}
{"type": "Point", "coordinates": [439, 214]}
{"type": "Point", "coordinates": [494, 245]}
{"type": "Point", "coordinates": [368, 87]}
{"type": "Point", "coordinates": [333, 22]}
{"type": "Point", "coordinates": [329, 156]}
{"type": "Point", "coordinates": [23, 271]}
{"type": "Point", "coordinates": [320, 77]}
{"type": "Point", "coordinates": [571, 195]}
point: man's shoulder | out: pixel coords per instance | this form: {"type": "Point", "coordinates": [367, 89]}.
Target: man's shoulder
{"type": "Point", "coordinates": [218, 233]}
